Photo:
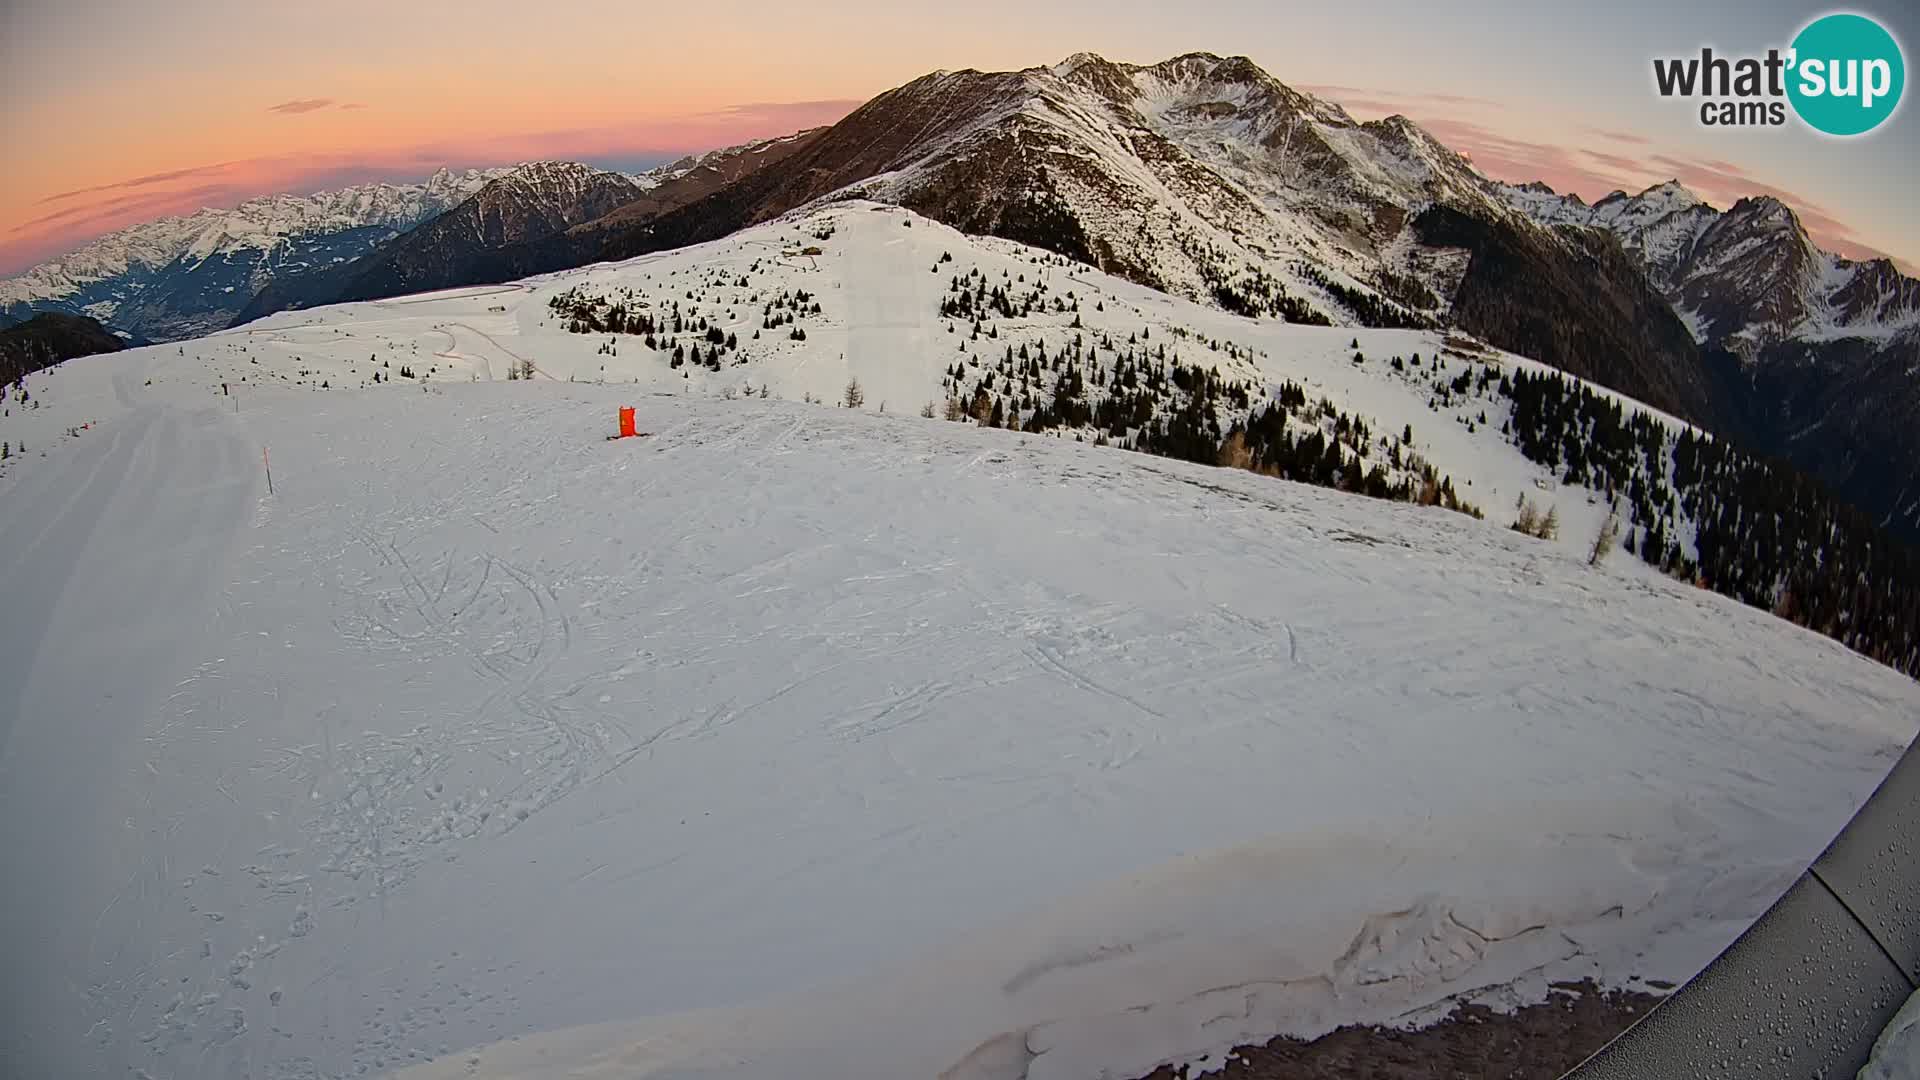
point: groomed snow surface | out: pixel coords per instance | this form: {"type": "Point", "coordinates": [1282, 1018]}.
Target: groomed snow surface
{"type": "Point", "coordinates": [791, 742]}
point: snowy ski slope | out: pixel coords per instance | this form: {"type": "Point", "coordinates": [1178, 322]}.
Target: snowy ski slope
{"type": "Point", "coordinates": [794, 741]}
{"type": "Point", "coordinates": [879, 282]}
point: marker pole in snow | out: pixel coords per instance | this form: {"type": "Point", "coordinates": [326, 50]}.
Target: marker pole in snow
{"type": "Point", "coordinates": [269, 467]}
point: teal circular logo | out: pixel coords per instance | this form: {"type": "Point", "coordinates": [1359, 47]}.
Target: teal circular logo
{"type": "Point", "coordinates": [1847, 74]}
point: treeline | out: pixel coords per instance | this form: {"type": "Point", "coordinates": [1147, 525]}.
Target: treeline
{"type": "Point", "coordinates": [1138, 395]}
{"type": "Point", "coordinates": [1763, 532]}
{"type": "Point", "coordinates": [1327, 447]}
{"type": "Point", "coordinates": [684, 336]}
{"type": "Point", "coordinates": [47, 339]}
{"type": "Point", "coordinates": [1371, 310]}
{"type": "Point", "coordinates": [1256, 294]}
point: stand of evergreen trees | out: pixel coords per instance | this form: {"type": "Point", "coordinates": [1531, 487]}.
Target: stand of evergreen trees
{"type": "Point", "coordinates": [1138, 394]}
{"type": "Point", "coordinates": [1371, 310]}
{"type": "Point", "coordinates": [1257, 294]}
{"type": "Point", "coordinates": [1763, 533]}
{"type": "Point", "coordinates": [49, 339]}
{"type": "Point", "coordinates": [705, 344]}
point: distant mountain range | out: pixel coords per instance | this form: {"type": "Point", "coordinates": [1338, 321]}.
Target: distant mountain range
{"type": "Point", "coordinates": [1748, 277]}
{"type": "Point", "coordinates": [529, 200]}
{"type": "Point", "coordinates": [1201, 176]}
{"type": "Point", "coordinates": [537, 206]}
{"type": "Point", "coordinates": [1816, 357]}
{"type": "Point", "coordinates": [183, 276]}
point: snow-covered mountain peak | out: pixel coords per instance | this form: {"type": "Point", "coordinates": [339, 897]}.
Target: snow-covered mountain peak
{"type": "Point", "coordinates": [1764, 213]}
{"type": "Point", "coordinates": [1673, 193]}
{"type": "Point", "coordinates": [1204, 68]}
{"type": "Point", "coordinates": [1746, 277]}
{"type": "Point", "coordinates": [552, 180]}
{"type": "Point", "coordinates": [1190, 174]}
{"type": "Point", "coordinates": [536, 170]}
{"type": "Point", "coordinates": [1203, 85]}
{"type": "Point", "coordinates": [260, 223]}
{"type": "Point", "coordinates": [1067, 68]}
{"type": "Point", "coordinates": [1660, 224]}
{"type": "Point", "coordinates": [1666, 197]}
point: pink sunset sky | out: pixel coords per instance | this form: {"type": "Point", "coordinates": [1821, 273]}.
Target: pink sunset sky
{"type": "Point", "coordinates": [117, 113]}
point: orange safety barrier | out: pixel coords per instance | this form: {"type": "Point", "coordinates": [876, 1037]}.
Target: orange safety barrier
{"type": "Point", "coordinates": [626, 422]}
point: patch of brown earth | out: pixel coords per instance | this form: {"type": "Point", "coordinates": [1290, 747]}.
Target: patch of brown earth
{"type": "Point", "coordinates": [1537, 1042]}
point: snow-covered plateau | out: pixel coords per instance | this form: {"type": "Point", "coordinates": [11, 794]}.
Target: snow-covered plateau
{"type": "Point", "coordinates": [793, 740]}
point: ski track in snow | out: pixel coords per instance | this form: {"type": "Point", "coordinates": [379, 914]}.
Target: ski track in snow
{"type": "Point", "coordinates": [791, 742]}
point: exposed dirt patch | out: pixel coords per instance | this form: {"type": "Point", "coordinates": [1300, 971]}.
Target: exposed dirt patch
{"type": "Point", "coordinates": [1539, 1042]}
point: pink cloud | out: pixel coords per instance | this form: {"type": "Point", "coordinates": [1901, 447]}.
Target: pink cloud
{"type": "Point", "coordinates": [793, 114]}
{"type": "Point", "coordinates": [1503, 157]}
{"type": "Point", "coordinates": [70, 215]}
{"type": "Point", "coordinates": [1365, 105]}
{"type": "Point", "coordinates": [1353, 96]}
{"type": "Point", "coordinates": [1625, 165]}
{"type": "Point", "coordinates": [301, 105]}
{"type": "Point", "coordinates": [139, 181]}
{"type": "Point", "coordinates": [1622, 136]}
{"type": "Point", "coordinates": [1727, 167]}
{"type": "Point", "coordinates": [127, 209]}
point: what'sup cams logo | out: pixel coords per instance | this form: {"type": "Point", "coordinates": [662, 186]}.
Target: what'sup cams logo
{"type": "Point", "coordinates": [1843, 75]}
